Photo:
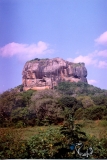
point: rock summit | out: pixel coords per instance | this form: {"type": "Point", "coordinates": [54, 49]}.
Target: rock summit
{"type": "Point", "coordinates": [40, 74]}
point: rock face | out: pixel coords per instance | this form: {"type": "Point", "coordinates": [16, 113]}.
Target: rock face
{"type": "Point", "coordinates": [46, 73]}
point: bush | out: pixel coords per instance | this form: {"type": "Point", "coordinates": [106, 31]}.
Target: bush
{"type": "Point", "coordinates": [79, 88]}
{"type": "Point", "coordinates": [11, 145]}
{"type": "Point", "coordinates": [86, 101]}
{"type": "Point", "coordinates": [45, 144]}
{"type": "Point", "coordinates": [69, 102]}
{"type": "Point", "coordinates": [99, 147]}
{"type": "Point", "coordinates": [20, 116]}
{"type": "Point", "coordinates": [45, 107]}
{"type": "Point", "coordinates": [20, 124]}
{"type": "Point", "coordinates": [100, 100]}
{"type": "Point", "coordinates": [95, 113]}
{"type": "Point", "coordinates": [91, 113]}
{"type": "Point", "coordinates": [47, 93]}
{"type": "Point", "coordinates": [103, 123]}
{"type": "Point", "coordinates": [79, 114]}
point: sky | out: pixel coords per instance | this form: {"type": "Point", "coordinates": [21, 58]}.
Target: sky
{"type": "Point", "coordinates": [75, 30]}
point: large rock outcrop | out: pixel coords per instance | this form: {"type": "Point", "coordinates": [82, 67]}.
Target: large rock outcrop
{"type": "Point", "coordinates": [47, 73]}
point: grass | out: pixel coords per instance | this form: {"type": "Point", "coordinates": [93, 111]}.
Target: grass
{"type": "Point", "coordinates": [96, 128]}
{"type": "Point", "coordinates": [91, 128]}
{"type": "Point", "coordinates": [31, 131]}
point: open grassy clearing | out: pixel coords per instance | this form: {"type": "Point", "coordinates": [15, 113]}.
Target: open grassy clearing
{"type": "Point", "coordinates": [91, 128]}
{"type": "Point", "coordinates": [28, 132]}
{"type": "Point", "coordinates": [96, 128]}
{"type": "Point", "coordinates": [48, 139]}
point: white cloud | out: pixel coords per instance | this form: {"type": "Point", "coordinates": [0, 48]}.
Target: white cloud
{"type": "Point", "coordinates": [102, 64]}
{"type": "Point", "coordinates": [95, 58]}
{"type": "Point", "coordinates": [92, 59]}
{"type": "Point", "coordinates": [102, 53]}
{"type": "Point", "coordinates": [25, 51]}
{"type": "Point", "coordinates": [88, 60]}
{"type": "Point", "coordinates": [92, 81]}
{"type": "Point", "coordinates": [102, 39]}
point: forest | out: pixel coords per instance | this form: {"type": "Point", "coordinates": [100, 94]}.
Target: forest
{"type": "Point", "coordinates": [43, 124]}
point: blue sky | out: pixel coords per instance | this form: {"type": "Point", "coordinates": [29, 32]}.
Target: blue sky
{"type": "Point", "coordinates": [75, 30]}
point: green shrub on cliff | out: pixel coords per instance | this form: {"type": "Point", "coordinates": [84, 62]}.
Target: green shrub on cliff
{"type": "Point", "coordinates": [79, 88]}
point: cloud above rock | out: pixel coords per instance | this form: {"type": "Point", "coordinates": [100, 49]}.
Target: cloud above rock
{"type": "Point", "coordinates": [98, 58]}
{"type": "Point", "coordinates": [92, 59]}
{"type": "Point", "coordinates": [88, 59]}
{"type": "Point", "coordinates": [25, 51]}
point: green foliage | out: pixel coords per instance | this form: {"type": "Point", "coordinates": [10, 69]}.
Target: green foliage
{"type": "Point", "coordinates": [69, 105]}
{"type": "Point", "coordinates": [20, 116]}
{"type": "Point", "coordinates": [19, 88]}
{"type": "Point", "coordinates": [73, 133]}
{"type": "Point", "coordinates": [14, 106]}
{"type": "Point", "coordinates": [99, 147]}
{"type": "Point", "coordinates": [38, 59]}
{"type": "Point", "coordinates": [64, 87]}
{"type": "Point", "coordinates": [48, 93]}
{"type": "Point", "coordinates": [95, 113]}
{"type": "Point", "coordinates": [92, 113]}
{"type": "Point", "coordinates": [100, 100]}
{"type": "Point", "coordinates": [46, 111]}
{"type": "Point", "coordinates": [86, 101]}
{"type": "Point", "coordinates": [45, 107]}
{"type": "Point", "coordinates": [7, 102]}
{"type": "Point", "coordinates": [48, 106]}
{"type": "Point", "coordinates": [19, 124]}
{"type": "Point", "coordinates": [103, 123]}
{"type": "Point", "coordinates": [26, 96]}
{"type": "Point", "coordinates": [79, 114]}
{"type": "Point", "coordinates": [45, 144]}
{"type": "Point", "coordinates": [79, 88]}
{"type": "Point", "coordinates": [69, 102]}
{"type": "Point", "coordinates": [54, 143]}
{"type": "Point", "coordinates": [11, 145]}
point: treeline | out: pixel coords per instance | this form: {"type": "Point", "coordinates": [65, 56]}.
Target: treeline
{"type": "Point", "coordinates": [34, 108]}
{"type": "Point", "coordinates": [49, 106]}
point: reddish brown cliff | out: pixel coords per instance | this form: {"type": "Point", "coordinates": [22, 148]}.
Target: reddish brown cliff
{"type": "Point", "coordinates": [47, 73]}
